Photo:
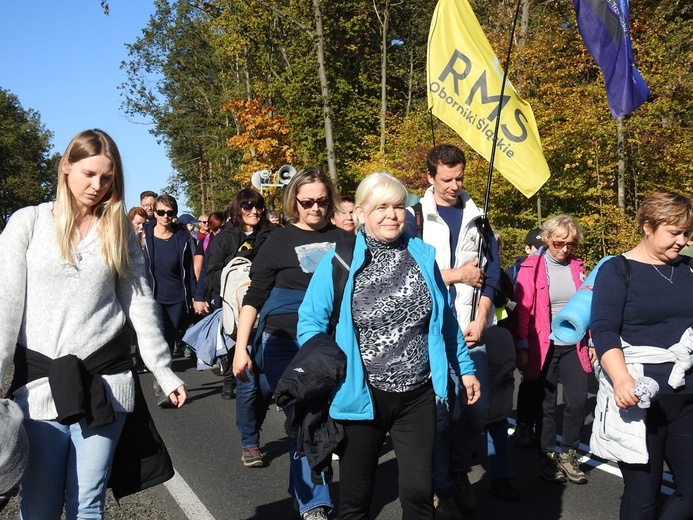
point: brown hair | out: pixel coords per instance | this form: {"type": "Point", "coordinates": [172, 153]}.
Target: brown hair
{"type": "Point", "coordinates": [306, 176]}
{"type": "Point", "coordinates": [665, 207]}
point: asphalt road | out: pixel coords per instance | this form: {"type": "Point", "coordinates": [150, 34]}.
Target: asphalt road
{"type": "Point", "coordinates": [211, 482]}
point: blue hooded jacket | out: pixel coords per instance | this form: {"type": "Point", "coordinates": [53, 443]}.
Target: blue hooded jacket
{"type": "Point", "coordinates": [353, 400]}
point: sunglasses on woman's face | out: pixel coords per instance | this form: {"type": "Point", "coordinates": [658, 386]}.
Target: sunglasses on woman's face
{"type": "Point", "coordinates": [559, 244]}
{"type": "Point", "coordinates": [322, 202]}
{"type": "Point", "coordinates": [248, 206]}
{"type": "Point", "coordinates": [166, 212]}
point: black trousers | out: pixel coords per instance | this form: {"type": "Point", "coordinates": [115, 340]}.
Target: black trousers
{"type": "Point", "coordinates": [410, 418]}
{"type": "Point", "coordinates": [669, 438]}
{"type": "Point", "coordinates": [563, 365]}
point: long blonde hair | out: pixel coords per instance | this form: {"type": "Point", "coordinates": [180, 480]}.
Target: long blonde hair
{"type": "Point", "coordinates": [114, 227]}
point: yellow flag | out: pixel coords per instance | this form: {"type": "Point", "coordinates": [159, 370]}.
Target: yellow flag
{"type": "Point", "coordinates": [464, 84]}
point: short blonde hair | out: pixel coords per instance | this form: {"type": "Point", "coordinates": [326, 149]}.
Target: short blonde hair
{"type": "Point", "coordinates": [563, 223]}
{"type": "Point", "coordinates": [379, 188]}
{"type": "Point", "coordinates": [306, 176]}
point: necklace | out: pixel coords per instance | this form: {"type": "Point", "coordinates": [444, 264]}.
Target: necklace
{"type": "Point", "coordinates": [89, 221]}
{"type": "Point", "coordinates": [667, 278]}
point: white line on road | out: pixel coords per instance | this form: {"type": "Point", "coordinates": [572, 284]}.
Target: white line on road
{"type": "Point", "coordinates": [187, 500]}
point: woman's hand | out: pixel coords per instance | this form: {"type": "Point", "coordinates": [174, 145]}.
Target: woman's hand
{"type": "Point", "coordinates": [241, 362]}
{"type": "Point", "coordinates": [473, 388]}
{"type": "Point", "coordinates": [201, 307]}
{"type": "Point", "coordinates": [592, 353]}
{"type": "Point", "coordinates": [178, 396]}
{"type": "Point", "coordinates": [623, 392]}
{"type": "Point", "coordinates": [521, 358]}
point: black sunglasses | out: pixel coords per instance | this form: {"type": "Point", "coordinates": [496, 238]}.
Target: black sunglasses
{"type": "Point", "coordinates": [247, 206]}
{"type": "Point", "coordinates": [168, 212]}
{"type": "Point", "coordinates": [322, 202]}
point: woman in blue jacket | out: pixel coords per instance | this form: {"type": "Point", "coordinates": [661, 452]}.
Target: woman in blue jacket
{"type": "Point", "coordinates": [399, 334]}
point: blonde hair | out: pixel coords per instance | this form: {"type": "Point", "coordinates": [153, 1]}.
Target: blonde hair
{"type": "Point", "coordinates": [379, 188]}
{"type": "Point", "coordinates": [307, 176]}
{"type": "Point", "coordinates": [564, 223]}
{"type": "Point", "coordinates": [114, 229]}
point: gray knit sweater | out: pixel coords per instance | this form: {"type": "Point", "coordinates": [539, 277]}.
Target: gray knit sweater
{"type": "Point", "coordinates": [58, 309]}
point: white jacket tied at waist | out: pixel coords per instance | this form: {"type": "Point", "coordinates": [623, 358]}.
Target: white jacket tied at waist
{"type": "Point", "coordinates": [620, 435]}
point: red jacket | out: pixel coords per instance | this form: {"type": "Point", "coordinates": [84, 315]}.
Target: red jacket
{"type": "Point", "coordinates": [534, 312]}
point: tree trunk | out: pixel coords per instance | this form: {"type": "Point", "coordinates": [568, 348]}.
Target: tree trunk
{"type": "Point", "coordinates": [621, 181]}
{"type": "Point", "coordinates": [384, 23]}
{"type": "Point", "coordinates": [524, 24]}
{"type": "Point", "coordinates": [325, 92]}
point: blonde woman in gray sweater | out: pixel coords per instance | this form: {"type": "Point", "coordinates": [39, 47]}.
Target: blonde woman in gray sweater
{"type": "Point", "coordinates": [73, 275]}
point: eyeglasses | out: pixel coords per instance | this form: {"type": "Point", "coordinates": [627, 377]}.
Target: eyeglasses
{"type": "Point", "coordinates": [248, 206]}
{"type": "Point", "coordinates": [559, 244]}
{"type": "Point", "coordinates": [322, 202]}
{"type": "Point", "coordinates": [166, 212]}
{"type": "Point", "coordinates": [203, 221]}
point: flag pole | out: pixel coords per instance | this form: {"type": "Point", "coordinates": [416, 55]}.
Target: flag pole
{"type": "Point", "coordinates": [485, 227]}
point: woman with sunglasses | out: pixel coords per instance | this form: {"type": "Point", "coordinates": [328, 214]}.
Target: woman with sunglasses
{"type": "Point", "coordinates": [168, 252]}
{"type": "Point", "coordinates": [280, 276]}
{"type": "Point", "coordinates": [246, 230]}
{"type": "Point", "coordinates": [545, 282]}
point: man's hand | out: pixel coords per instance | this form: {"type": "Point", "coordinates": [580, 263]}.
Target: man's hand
{"type": "Point", "coordinates": [469, 274]}
{"type": "Point", "coordinates": [474, 332]}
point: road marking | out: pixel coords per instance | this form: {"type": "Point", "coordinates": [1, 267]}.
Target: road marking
{"type": "Point", "coordinates": [186, 498]}
{"type": "Point", "coordinates": [585, 458]}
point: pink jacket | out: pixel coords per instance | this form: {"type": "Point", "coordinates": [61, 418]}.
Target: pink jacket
{"type": "Point", "coordinates": [534, 312]}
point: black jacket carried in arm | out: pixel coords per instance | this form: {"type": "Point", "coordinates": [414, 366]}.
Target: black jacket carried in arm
{"type": "Point", "coordinates": [307, 385]}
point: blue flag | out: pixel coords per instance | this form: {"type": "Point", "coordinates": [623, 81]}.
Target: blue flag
{"type": "Point", "coordinates": [604, 27]}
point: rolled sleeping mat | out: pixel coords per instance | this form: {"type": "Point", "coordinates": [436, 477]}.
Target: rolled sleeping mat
{"type": "Point", "coordinates": [571, 324]}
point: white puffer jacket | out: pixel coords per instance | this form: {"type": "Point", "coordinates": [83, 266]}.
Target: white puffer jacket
{"type": "Point", "coordinates": [620, 435]}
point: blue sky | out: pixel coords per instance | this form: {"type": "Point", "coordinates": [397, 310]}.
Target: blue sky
{"type": "Point", "coordinates": [62, 58]}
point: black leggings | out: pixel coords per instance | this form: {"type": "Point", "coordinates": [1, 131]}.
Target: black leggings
{"type": "Point", "coordinates": [669, 438]}
{"type": "Point", "coordinates": [410, 417]}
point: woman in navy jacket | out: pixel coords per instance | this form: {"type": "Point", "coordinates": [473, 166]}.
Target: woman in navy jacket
{"type": "Point", "coordinates": [168, 254]}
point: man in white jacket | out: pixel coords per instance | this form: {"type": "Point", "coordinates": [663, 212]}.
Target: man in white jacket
{"type": "Point", "coordinates": [448, 219]}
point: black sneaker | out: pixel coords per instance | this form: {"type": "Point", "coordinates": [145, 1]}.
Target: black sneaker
{"type": "Point", "coordinates": [445, 507]}
{"type": "Point", "coordinates": [228, 390]}
{"type": "Point", "coordinates": [465, 498]}
{"type": "Point", "coordinates": [570, 467]}
{"type": "Point", "coordinates": [548, 468]}
{"type": "Point", "coordinates": [524, 436]}
{"type": "Point", "coordinates": [501, 487]}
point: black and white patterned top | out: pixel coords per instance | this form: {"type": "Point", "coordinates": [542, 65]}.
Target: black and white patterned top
{"type": "Point", "coordinates": [391, 309]}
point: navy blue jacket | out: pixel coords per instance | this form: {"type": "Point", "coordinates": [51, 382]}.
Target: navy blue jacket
{"type": "Point", "coordinates": [186, 250]}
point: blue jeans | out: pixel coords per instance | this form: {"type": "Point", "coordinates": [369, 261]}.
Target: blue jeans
{"type": "Point", "coordinates": [68, 465]}
{"type": "Point", "coordinates": [171, 317]}
{"type": "Point", "coordinates": [456, 441]}
{"type": "Point", "coordinates": [252, 400]}
{"type": "Point", "coordinates": [497, 448]}
{"type": "Point", "coordinates": [278, 353]}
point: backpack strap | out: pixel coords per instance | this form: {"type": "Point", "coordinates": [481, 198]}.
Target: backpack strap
{"type": "Point", "coordinates": [419, 219]}
{"type": "Point", "coordinates": [626, 266]}
{"type": "Point", "coordinates": [341, 263]}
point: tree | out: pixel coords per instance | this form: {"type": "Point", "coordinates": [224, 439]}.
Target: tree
{"type": "Point", "coordinates": [27, 169]}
